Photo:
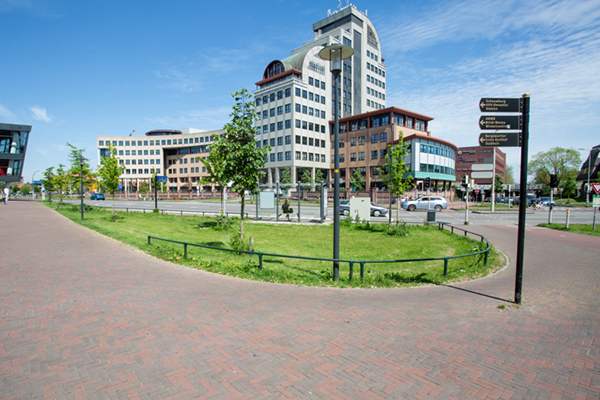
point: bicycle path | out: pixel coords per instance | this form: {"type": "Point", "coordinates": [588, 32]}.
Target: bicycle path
{"type": "Point", "coordinates": [83, 316]}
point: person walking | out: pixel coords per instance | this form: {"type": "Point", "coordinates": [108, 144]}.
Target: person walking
{"type": "Point", "coordinates": [3, 197]}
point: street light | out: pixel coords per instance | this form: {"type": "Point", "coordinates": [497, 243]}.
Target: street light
{"type": "Point", "coordinates": [335, 54]}
{"type": "Point", "coordinates": [587, 189]}
{"type": "Point", "coordinates": [82, 161]}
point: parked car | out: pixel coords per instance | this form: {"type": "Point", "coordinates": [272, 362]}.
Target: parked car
{"type": "Point", "coordinates": [546, 201]}
{"type": "Point", "coordinates": [97, 196]}
{"type": "Point", "coordinates": [376, 210]}
{"type": "Point", "coordinates": [435, 202]}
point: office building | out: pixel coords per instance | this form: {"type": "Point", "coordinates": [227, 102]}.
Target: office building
{"type": "Point", "coordinates": [364, 141]}
{"type": "Point", "coordinates": [170, 152]}
{"type": "Point", "coordinates": [13, 147]}
{"type": "Point", "coordinates": [294, 98]}
{"type": "Point", "coordinates": [468, 156]}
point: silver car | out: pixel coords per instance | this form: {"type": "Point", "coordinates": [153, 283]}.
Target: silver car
{"type": "Point", "coordinates": [422, 203]}
{"type": "Point", "coordinates": [376, 210]}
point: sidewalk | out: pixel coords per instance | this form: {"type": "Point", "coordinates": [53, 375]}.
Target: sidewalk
{"type": "Point", "coordinates": [82, 316]}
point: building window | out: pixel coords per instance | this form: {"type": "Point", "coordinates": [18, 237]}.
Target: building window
{"type": "Point", "coordinates": [280, 141]}
{"type": "Point", "coordinates": [373, 154]}
{"type": "Point", "coordinates": [288, 108]}
{"type": "Point", "coordinates": [280, 156]}
{"type": "Point", "coordinates": [288, 92]}
{"type": "Point", "coordinates": [272, 157]}
{"type": "Point", "coordinates": [352, 141]}
{"type": "Point", "coordinates": [342, 143]}
{"type": "Point", "coordinates": [298, 92]}
{"type": "Point", "coordinates": [280, 125]}
{"type": "Point", "coordinates": [304, 94]}
{"type": "Point", "coordinates": [288, 155]}
{"type": "Point", "coordinates": [361, 156]}
{"type": "Point", "coordinates": [272, 112]}
{"type": "Point", "coordinates": [374, 138]}
{"type": "Point", "coordinates": [352, 156]}
{"type": "Point", "coordinates": [280, 95]}
{"type": "Point", "coordinates": [297, 155]}
{"type": "Point", "coordinates": [288, 139]}
{"type": "Point", "coordinates": [361, 140]}
{"type": "Point", "coordinates": [279, 110]}
{"type": "Point", "coordinates": [288, 123]}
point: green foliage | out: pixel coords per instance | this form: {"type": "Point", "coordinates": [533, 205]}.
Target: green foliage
{"type": "Point", "coordinates": [61, 180]}
{"type": "Point", "coordinates": [319, 177]}
{"type": "Point", "coordinates": [558, 161]}
{"type": "Point", "coordinates": [144, 188]}
{"type": "Point", "coordinates": [14, 189]}
{"type": "Point", "coordinates": [286, 176]}
{"type": "Point", "coordinates": [110, 171]}
{"type": "Point", "coordinates": [570, 185]}
{"type": "Point", "coordinates": [37, 190]}
{"type": "Point", "coordinates": [25, 189]}
{"type": "Point", "coordinates": [509, 175]}
{"type": "Point", "coordinates": [356, 180]}
{"type": "Point", "coordinates": [76, 169]}
{"type": "Point", "coordinates": [306, 177]}
{"type": "Point", "coordinates": [48, 182]}
{"type": "Point", "coordinates": [395, 168]}
{"type": "Point", "coordinates": [234, 157]}
{"type": "Point", "coordinates": [237, 242]}
{"type": "Point", "coordinates": [498, 184]}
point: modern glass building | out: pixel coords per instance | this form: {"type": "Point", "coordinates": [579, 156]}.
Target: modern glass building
{"type": "Point", "coordinates": [13, 146]}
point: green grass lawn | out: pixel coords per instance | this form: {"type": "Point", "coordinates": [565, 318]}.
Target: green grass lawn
{"type": "Point", "coordinates": [586, 229]}
{"type": "Point", "coordinates": [357, 242]}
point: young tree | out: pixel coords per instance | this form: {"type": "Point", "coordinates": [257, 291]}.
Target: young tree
{"type": "Point", "coordinates": [235, 157]}
{"type": "Point", "coordinates": [508, 175]}
{"type": "Point", "coordinates": [286, 176]}
{"type": "Point", "coordinates": [557, 161]}
{"type": "Point", "coordinates": [48, 182]}
{"type": "Point", "coordinates": [76, 169]}
{"type": "Point", "coordinates": [25, 189]}
{"type": "Point", "coordinates": [357, 180]}
{"type": "Point", "coordinates": [216, 168]}
{"type": "Point", "coordinates": [61, 180]}
{"type": "Point", "coordinates": [14, 189]}
{"type": "Point", "coordinates": [110, 171]}
{"type": "Point", "coordinates": [498, 184]}
{"type": "Point", "coordinates": [144, 188]}
{"type": "Point", "coordinates": [394, 171]}
{"type": "Point", "coordinates": [37, 190]}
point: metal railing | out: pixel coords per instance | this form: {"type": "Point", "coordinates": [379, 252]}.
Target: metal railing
{"type": "Point", "coordinates": [441, 225]}
{"type": "Point", "coordinates": [151, 210]}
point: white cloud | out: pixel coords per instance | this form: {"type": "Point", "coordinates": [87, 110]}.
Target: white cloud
{"type": "Point", "coordinates": [40, 114]}
{"type": "Point", "coordinates": [6, 113]}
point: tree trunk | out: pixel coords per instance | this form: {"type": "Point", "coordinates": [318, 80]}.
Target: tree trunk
{"type": "Point", "coordinates": [242, 216]}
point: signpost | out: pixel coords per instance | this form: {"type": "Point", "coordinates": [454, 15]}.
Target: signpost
{"type": "Point", "coordinates": [596, 187]}
{"type": "Point", "coordinates": [510, 139]}
{"type": "Point", "coordinates": [487, 104]}
{"type": "Point", "coordinates": [504, 139]}
{"type": "Point", "coordinates": [497, 122]}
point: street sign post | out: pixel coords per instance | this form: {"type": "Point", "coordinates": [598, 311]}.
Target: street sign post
{"type": "Point", "coordinates": [497, 122]}
{"type": "Point", "coordinates": [487, 104]}
{"type": "Point", "coordinates": [482, 175]}
{"type": "Point", "coordinates": [482, 167]}
{"type": "Point", "coordinates": [505, 139]}
{"type": "Point", "coordinates": [161, 179]}
{"type": "Point", "coordinates": [596, 187]}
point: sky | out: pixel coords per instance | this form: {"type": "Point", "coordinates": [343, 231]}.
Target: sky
{"type": "Point", "coordinates": [78, 69]}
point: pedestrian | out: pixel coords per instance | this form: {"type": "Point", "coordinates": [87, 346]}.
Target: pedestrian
{"type": "Point", "coordinates": [4, 197]}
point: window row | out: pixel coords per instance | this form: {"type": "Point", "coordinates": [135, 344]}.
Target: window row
{"type": "Point", "coordinates": [140, 162]}
{"type": "Point", "coordinates": [163, 142]}
{"type": "Point", "coordinates": [375, 69]}
{"type": "Point", "coordinates": [310, 111]}
{"type": "Point", "coordinates": [372, 55]}
{"type": "Point", "coordinates": [140, 171]}
{"type": "Point", "coordinates": [440, 169]}
{"type": "Point", "coordinates": [271, 142]}
{"type": "Point", "coordinates": [274, 111]}
{"type": "Point", "coordinates": [304, 156]}
{"type": "Point", "coordinates": [184, 161]}
{"type": "Point", "coordinates": [310, 126]}
{"type": "Point", "coordinates": [312, 82]}
{"type": "Point", "coordinates": [139, 152]}
{"type": "Point", "coordinates": [437, 151]}
{"type": "Point", "coordinates": [347, 81]}
{"type": "Point", "coordinates": [374, 105]}
{"type": "Point", "coordinates": [375, 81]}
{"type": "Point", "coordinates": [375, 93]}
{"type": "Point", "coordinates": [271, 157]}
{"type": "Point", "coordinates": [275, 126]}
{"type": "Point", "coordinates": [310, 96]}
{"type": "Point", "coordinates": [273, 96]}
{"type": "Point", "coordinates": [185, 171]}
{"type": "Point", "coordinates": [310, 141]}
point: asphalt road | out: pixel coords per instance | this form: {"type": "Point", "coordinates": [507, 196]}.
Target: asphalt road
{"type": "Point", "coordinates": [311, 212]}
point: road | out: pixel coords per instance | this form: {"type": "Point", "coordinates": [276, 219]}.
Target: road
{"type": "Point", "coordinates": [311, 212]}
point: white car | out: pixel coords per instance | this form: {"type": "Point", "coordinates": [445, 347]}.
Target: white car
{"type": "Point", "coordinates": [422, 203]}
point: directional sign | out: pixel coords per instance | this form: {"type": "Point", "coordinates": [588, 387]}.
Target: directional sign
{"type": "Point", "coordinates": [500, 105]}
{"type": "Point", "coordinates": [482, 175]}
{"type": "Point", "coordinates": [596, 187]}
{"type": "Point", "coordinates": [161, 179]}
{"type": "Point", "coordinates": [505, 139]}
{"type": "Point", "coordinates": [496, 122]}
{"type": "Point", "coordinates": [482, 167]}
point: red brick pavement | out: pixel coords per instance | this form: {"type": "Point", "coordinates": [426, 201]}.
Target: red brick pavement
{"type": "Point", "coordinates": [82, 316]}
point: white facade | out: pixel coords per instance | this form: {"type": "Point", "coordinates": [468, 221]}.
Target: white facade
{"type": "Point", "coordinates": [294, 100]}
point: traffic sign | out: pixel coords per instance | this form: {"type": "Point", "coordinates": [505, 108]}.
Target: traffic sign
{"type": "Point", "coordinates": [482, 167]}
{"type": "Point", "coordinates": [487, 104]}
{"type": "Point", "coordinates": [477, 191]}
{"type": "Point", "coordinates": [161, 179]}
{"type": "Point", "coordinates": [505, 139]}
{"type": "Point", "coordinates": [496, 122]}
{"type": "Point", "coordinates": [596, 187]}
{"type": "Point", "coordinates": [482, 175]}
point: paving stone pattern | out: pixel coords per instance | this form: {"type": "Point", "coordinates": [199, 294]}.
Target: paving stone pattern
{"type": "Point", "coordinates": [82, 316]}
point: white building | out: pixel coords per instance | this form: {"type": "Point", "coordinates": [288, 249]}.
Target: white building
{"type": "Point", "coordinates": [294, 99]}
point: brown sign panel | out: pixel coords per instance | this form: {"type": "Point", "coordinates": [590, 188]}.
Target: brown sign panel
{"type": "Point", "coordinates": [505, 139]}
{"type": "Point", "coordinates": [487, 104]}
{"type": "Point", "coordinates": [497, 122]}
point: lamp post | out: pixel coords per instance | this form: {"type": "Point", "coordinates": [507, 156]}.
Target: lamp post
{"type": "Point", "coordinates": [335, 54]}
{"type": "Point", "coordinates": [33, 183]}
{"type": "Point", "coordinates": [81, 164]}
{"type": "Point", "coordinates": [587, 189]}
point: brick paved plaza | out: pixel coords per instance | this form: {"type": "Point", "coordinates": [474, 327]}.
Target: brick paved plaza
{"type": "Point", "coordinates": [82, 316]}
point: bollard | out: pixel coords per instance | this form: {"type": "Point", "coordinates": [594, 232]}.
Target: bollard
{"type": "Point", "coordinates": [185, 251]}
{"type": "Point", "coordinates": [445, 267]}
{"type": "Point", "coordinates": [260, 266]}
{"type": "Point", "coordinates": [351, 269]}
{"type": "Point", "coordinates": [362, 271]}
{"type": "Point", "coordinates": [567, 226]}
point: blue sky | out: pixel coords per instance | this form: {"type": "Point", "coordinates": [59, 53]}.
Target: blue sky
{"type": "Point", "coordinates": [77, 69]}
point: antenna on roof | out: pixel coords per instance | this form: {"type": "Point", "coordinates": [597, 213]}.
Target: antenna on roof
{"type": "Point", "coordinates": [132, 132]}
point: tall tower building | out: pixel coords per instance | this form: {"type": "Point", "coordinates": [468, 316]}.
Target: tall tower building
{"type": "Point", "coordinates": [294, 98]}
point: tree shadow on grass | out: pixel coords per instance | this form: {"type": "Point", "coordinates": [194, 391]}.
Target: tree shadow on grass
{"type": "Point", "coordinates": [220, 245]}
{"type": "Point", "coordinates": [401, 278]}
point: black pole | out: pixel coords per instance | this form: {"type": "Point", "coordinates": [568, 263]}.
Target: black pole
{"type": "Point", "coordinates": [336, 184]}
{"type": "Point", "coordinates": [81, 179]}
{"type": "Point", "coordinates": [155, 178]}
{"type": "Point", "coordinates": [522, 199]}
